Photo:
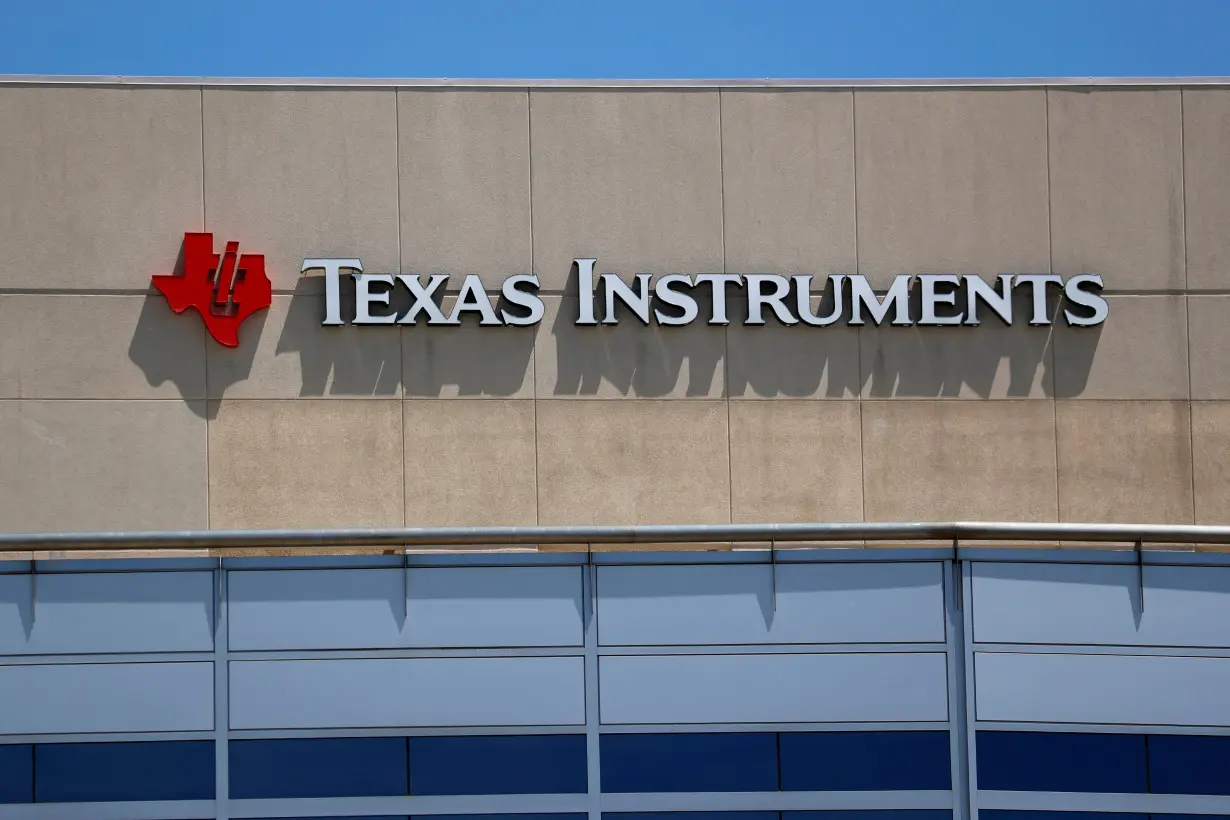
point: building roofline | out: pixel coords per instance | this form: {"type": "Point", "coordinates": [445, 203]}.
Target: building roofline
{"type": "Point", "coordinates": [766, 83]}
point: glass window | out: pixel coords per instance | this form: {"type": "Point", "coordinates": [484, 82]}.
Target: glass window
{"type": "Point", "coordinates": [16, 774]}
{"type": "Point", "coordinates": [1004, 814]}
{"type": "Point", "coordinates": [499, 817]}
{"type": "Point", "coordinates": [873, 814]}
{"type": "Point", "coordinates": [689, 762]}
{"type": "Point", "coordinates": [865, 761]}
{"type": "Point", "coordinates": [1189, 764]}
{"type": "Point", "coordinates": [691, 815]}
{"type": "Point", "coordinates": [100, 772]}
{"type": "Point", "coordinates": [499, 764]}
{"type": "Point", "coordinates": [1061, 762]}
{"type": "Point", "coordinates": [318, 767]}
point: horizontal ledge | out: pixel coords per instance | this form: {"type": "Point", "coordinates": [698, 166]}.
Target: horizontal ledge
{"type": "Point", "coordinates": [321, 540]}
{"type": "Point", "coordinates": [601, 83]}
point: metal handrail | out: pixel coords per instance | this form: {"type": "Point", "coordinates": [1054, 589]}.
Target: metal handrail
{"type": "Point", "coordinates": [310, 540]}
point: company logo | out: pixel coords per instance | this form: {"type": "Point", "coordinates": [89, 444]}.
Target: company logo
{"type": "Point", "coordinates": [225, 288]}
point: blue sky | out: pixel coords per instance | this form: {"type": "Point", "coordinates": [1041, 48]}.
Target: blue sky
{"type": "Point", "coordinates": [627, 38]}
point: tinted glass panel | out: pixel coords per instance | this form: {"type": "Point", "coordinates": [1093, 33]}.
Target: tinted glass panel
{"type": "Point", "coordinates": [16, 774]}
{"type": "Point", "coordinates": [880, 814]}
{"type": "Point", "coordinates": [515, 764]}
{"type": "Point", "coordinates": [691, 815]}
{"type": "Point", "coordinates": [319, 767]}
{"type": "Point", "coordinates": [865, 761]}
{"type": "Point", "coordinates": [689, 763]}
{"type": "Point", "coordinates": [1061, 762]}
{"type": "Point", "coordinates": [1181, 764]}
{"type": "Point", "coordinates": [499, 817]}
{"type": "Point", "coordinates": [99, 772]}
{"type": "Point", "coordinates": [1001, 814]}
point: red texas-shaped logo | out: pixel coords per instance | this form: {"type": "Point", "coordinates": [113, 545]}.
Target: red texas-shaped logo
{"type": "Point", "coordinates": [225, 288]}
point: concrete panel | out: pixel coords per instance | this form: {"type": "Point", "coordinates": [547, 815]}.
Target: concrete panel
{"type": "Point", "coordinates": [1206, 186]}
{"type": "Point", "coordinates": [86, 613]}
{"type": "Point", "coordinates": [1116, 160]}
{"type": "Point", "coordinates": [284, 353]}
{"type": "Point", "coordinates": [788, 181]}
{"type": "Point", "coordinates": [845, 688]}
{"type": "Point", "coordinates": [1101, 604]}
{"type": "Point", "coordinates": [407, 692]}
{"type": "Point", "coordinates": [632, 178]}
{"type": "Point", "coordinates": [469, 463]}
{"type": "Point", "coordinates": [738, 604]}
{"type": "Point", "coordinates": [398, 608]}
{"type": "Point", "coordinates": [100, 184]}
{"type": "Point", "coordinates": [1211, 461]}
{"type": "Point", "coordinates": [1139, 353]}
{"type": "Point", "coordinates": [775, 361]}
{"type": "Point", "coordinates": [464, 163]}
{"type": "Point", "coordinates": [1209, 346]}
{"type": "Point", "coordinates": [305, 463]}
{"type": "Point", "coordinates": [992, 361]}
{"type": "Point", "coordinates": [795, 461]}
{"type": "Point", "coordinates": [945, 461]}
{"type": "Point", "coordinates": [65, 346]}
{"type": "Point", "coordinates": [616, 462]}
{"type": "Point", "coordinates": [951, 182]}
{"type": "Point", "coordinates": [1124, 462]}
{"type": "Point", "coordinates": [296, 173]}
{"type": "Point", "coordinates": [627, 360]}
{"type": "Point", "coordinates": [468, 361]}
{"type": "Point", "coordinates": [1055, 688]}
{"type": "Point", "coordinates": [107, 697]}
{"type": "Point", "coordinates": [102, 465]}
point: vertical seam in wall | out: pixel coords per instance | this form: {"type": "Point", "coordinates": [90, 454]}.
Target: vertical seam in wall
{"type": "Point", "coordinates": [529, 174]}
{"type": "Point", "coordinates": [858, 331]}
{"type": "Point", "coordinates": [401, 364]}
{"type": "Point", "coordinates": [730, 468]}
{"type": "Point", "coordinates": [1050, 255]}
{"type": "Point", "coordinates": [1187, 303]}
{"type": "Point", "coordinates": [204, 339]}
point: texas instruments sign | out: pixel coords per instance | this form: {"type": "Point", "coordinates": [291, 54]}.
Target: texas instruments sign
{"type": "Point", "coordinates": [226, 288]}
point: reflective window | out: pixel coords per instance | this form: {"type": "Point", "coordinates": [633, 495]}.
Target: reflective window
{"type": "Point", "coordinates": [865, 761]}
{"type": "Point", "coordinates": [318, 767]}
{"type": "Point", "coordinates": [689, 762]}
{"type": "Point", "coordinates": [99, 772]}
{"type": "Point", "coordinates": [1000, 814]}
{"type": "Point", "coordinates": [499, 764]}
{"type": "Point", "coordinates": [16, 774]}
{"type": "Point", "coordinates": [499, 817]}
{"type": "Point", "coordinates": [875, 814]}
{"type": "Point", "coordinates": [1061, 762]}
{"type": "Point", "coordinates": [1188, 764]}
{"type": "Point", "coordinates": [691, 815]}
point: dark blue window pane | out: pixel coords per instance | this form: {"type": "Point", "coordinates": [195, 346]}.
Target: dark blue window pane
{"type": "Point", "coordinates": [1061, 762]}
{"type": "Point", "coordinates": [691, 815]}
{"type": "Point", "coordinates": [511, 764]}
{"type": "Point", "coordinates": [499, 817]}
{"type": "Point", "coordinates": [16, 774]}
{"type": "Point", "coordinates": [365, 817]}
{"type": "Point", "coordinates": [689, 763]}
{"type": "Point", "coordinates": [99, 772]}
{"type": "Point", "coordinates": [1004, 814]}
{"type": "Point", "coordinates": [874, 814]}
{"type": "Point", "coordinates": [1181, 764]}
{"type": "Point", "coordinates": [319, 767]}
{"type": "Point", "coordinates": [865, 761]}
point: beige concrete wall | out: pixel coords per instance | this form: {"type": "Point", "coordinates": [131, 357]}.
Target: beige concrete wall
{"type": "Point", "coordinates": [117, 414]}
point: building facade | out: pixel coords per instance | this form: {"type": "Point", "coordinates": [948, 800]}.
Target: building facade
{"type": "Point", "coordinates": [250, 306]}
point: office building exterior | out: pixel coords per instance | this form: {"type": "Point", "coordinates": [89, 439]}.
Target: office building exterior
{"type": "Point", "coordinates": [267, 305]}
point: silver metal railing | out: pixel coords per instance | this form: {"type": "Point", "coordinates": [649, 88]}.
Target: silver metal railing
{"type": "Point", "coordinates": [322, 540]}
